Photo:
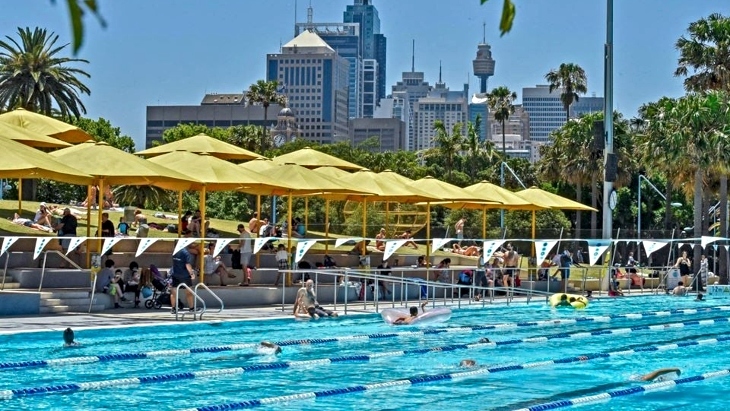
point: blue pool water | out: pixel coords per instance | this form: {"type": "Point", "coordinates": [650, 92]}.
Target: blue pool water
{"type": "Point", "coordinates": [498, 390]}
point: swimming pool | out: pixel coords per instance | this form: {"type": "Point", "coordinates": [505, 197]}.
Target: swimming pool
{"type": "Point", "coordinates": [534, 361]}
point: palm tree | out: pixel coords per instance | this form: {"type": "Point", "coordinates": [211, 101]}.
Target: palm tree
{"type": "Point", "coordinates": [473, 144]}
{"type": "Point", "coordinates": [501, 103]}
{"type": "Point", "coordinates": [571, 79]}
{"type": "Point", "coordinates": [704, 61]}
{"type": "Point", "coordinates": [448, 144]}
{"type": "Point", "coordinates": [34, 77]}
{"type": "Point", "coordinates": [265, 93]}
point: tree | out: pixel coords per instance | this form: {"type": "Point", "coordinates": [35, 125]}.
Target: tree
{"type": "Point", "coordinates": [704, 61]}
{"type": "Point", "coordinates": [102, 130]}
{"type": "Point", "coordinates": [501, 103]}
{"type": "Point", "coordinates": [34, 77]}
{"type": "Point", "coordinates": [571, 79]}
{"type": "Point", "coordinates": [448, 144]}
{"type": "Point", "coordinates": [265, 93]}
{"type": "Point", "coordinates": [473, 144]}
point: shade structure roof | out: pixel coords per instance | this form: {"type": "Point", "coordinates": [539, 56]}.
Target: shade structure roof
{"type": "Point", "coordinates": [297, 180]}
{"type": "Point", "coordinates": [214, 173]}
{"type": "Point", "coordinates": [549, 200]}
{"type": "Point", "coordinates": [48, 126]}
{"type": "Point", "coordinates": [202, 143]}
{"type": "Point", "coordinates": [446, 191]}
{"type": "Point", "coordinates": [387, 188]}
{"type": "Point", "coordinates": [115, 166]}
{"type": "Point", "coordinates": [332, 172]}
{"type": "Point", "coordinates": [29, 137]}
{"type": "Point", "coordinates": [310, 158]}
{"type": "Point", "coordinates": [21, 161]}
{"type": "Point", "coordinates": [507, 199]}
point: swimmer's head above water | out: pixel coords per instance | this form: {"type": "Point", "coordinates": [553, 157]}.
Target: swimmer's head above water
{"type": "Point", "coordinates": [484, 340]}
{"type": "Point", "coordinates": [468, 363]}
{"type": "Point", "coordinates": [269, 346]}
{"type": "Point", "coordinates": [413, 311]}
{"type": "Point", "coordinates": [68, 336]}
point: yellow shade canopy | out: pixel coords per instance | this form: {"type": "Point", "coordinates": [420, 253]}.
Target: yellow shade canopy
{"type": "Point", "coordinates": [48, 126]}
{"type": "Point", "coordinates": [446, 191]}
{"type": "Point", "coordinates": [387, 188]}
{"type": "Point", "coordinates": [332, 172]}
{"type": "Point", "coordinates": [549, 200]}
{"type": "Point", "coordinates": [21, 161]}
{"type": "Point", "coordinates": [202, 143]}
{"type": "Point", "coordinates": [214, 173]}
{"type": "Point", "coordinates": [29, 137]}
{"type": "Point", "coordinates": [310, 158]}
{"type": "Point", "coordinates": [488, 191]}
{"type": "Point", "coordinates": [297, 180]}
{"type": "Point", "coordinates": [115, 166]}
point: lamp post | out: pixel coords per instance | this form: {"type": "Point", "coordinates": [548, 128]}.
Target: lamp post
{"type": "Point", "coordinates": [608, 118]}
{"type": "Point", "coordinates": [638, 204]}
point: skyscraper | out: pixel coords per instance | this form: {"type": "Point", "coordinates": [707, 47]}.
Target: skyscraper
{"type": "Point", "coordinates": [406, 93]}
{"type": "Point", "coordinates": [374, 43]}
{"type": "Point", "coordinates": [545, 109]}
{"type": "Point", "coordinates": [315, 78]}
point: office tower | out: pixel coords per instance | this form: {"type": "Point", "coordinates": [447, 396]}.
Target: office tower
{"type": "Point", "coordinates": [586, 105]}
{"type": "Point", "coordinates": [344, 38]}
{"type": "Point", "coordinates": [369, 87]}
{"type": "Point", "coordinates": [315, 81]}
{"type": "Point", "coordinates": [407, 92]}
{"type": "Point", "coordinates": [440, 103]}
{"type": "Point", "coordinates": [545, 109]}
{"type": "Point", "coordinates": [374, 44]}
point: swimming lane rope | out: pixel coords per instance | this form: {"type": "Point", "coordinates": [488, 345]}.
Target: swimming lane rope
{"type": "Point", "coordinates": [407, 382]}
{"type": "Point", "coordinates": [94, 385]}
{"type": "Point", "coordinates": [375, 336]}
{"type": "Point", "coordinates": [610, 395]}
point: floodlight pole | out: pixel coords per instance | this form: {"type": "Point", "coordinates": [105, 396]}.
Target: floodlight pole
{"type": "Point", "coordinates": [501, 179]}
{"type": "Point", "coordinates": [608, 119]}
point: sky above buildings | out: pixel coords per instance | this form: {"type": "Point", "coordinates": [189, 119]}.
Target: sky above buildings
{"type": "Point", "coordinates": [169, 52]}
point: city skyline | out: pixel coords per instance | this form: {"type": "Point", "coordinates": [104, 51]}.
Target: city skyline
{"type": "Point", "coordinates": [162, 53]}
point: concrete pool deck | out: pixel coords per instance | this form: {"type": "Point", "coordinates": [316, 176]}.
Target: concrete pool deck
{"type": "Point", "coordinates": [140, 317]}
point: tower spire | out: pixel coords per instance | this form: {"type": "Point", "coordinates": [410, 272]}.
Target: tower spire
{"type": "Point", "coordinates": [484, 32]}
{"type": "Point", "coordinates": [440, 71]}
{"type": "Point", "coordinates": [310, 14]}
{"type": "Point", "coordinates": [413, 56]}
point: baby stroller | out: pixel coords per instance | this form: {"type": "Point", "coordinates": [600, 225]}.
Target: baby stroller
{"type": "Point", "coordinates": [160, 291]}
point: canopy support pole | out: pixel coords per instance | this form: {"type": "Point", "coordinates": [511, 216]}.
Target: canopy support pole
{"type": "Point", "coordinates": [99, 211]}
{"type": "Point", "coordinates": [20, 196]}
{"type": "Point", "coordinates": [89, 200]}
{"type": "Point", "coordinates": [201, 252]}
{"type": "Point", "coordinates": [484, 223]}
{"type": "Point", "coordinates": [179, 213]}
{"type": "Point", "coordinates": [428, 234]}
{"type": "Point", "coordinates": [306, 212]}
{"type": "Point", "coordinates": [534, 254]}
{"type": "Point", "coordinates": [256, 234]}
{"type": "Point", "coordinates": [288, 280]}
{"type": "Point", "coordinates": [387, 219]}
{"type": "Point", "coordinates": [364, 227]}
{"type": "Point", "coordinates": [326, 225]}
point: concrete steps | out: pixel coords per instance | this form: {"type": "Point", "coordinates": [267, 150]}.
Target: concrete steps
{"type": "Point", "coordinates": [66, 301]}
{"type": "Point", "coordinates": [11, 285]}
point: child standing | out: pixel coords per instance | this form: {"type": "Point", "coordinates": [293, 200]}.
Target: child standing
{"type": "Point", "coordinates": [282, 260]}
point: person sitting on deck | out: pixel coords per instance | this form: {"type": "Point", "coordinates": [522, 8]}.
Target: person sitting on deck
{"type": "Point", "coordinates": [307, 300]}
{"type": "Point", "coordinates": [408, 236]}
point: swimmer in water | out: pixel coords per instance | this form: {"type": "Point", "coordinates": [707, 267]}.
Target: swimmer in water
{"type": "Point", "coordinates": [68, 338]}
{"type": "Point", "coordinates": [700, 297]}
{"type": "Point", "coordinates": [266, 347]}
{"type": "Point", "coordinates": [413, 316]}
{"type": "Point", "coordinates": [663, 374]}
{"type": "Point", "coordinates": [484, 340]}
{"type": "Point", "coordinates": [468, 363]}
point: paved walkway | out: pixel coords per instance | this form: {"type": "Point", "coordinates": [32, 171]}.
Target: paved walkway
{"type": "Point", "coordinates": [139, 317]}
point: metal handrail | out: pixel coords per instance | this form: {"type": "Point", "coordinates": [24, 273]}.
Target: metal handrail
{"type": "Point", "coordinates": [205, 287]}
{"type": "Point", "coordinates": [45, 259]}
{"type": "Point", "coordinates": [93, 290]}
{"type": "Point", "coordinates": [195, 305]}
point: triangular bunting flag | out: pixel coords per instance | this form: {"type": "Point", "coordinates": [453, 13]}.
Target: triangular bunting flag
{"type": "Point", "coordinates": [727, 247]}
{"type": "Point", "coordinates": [109, 243]}
{"type": "Point", "coordinates": [543, 247]}
{"type": "Point", "coordinates": [182, 243]}
{"type": "Point", "coordinates": [7, 242]}
{"type": "Point", "coordinates": [651, 246]}
{"type": "Point", "coordinates": [220, 244]}
{"type": "Point", "coordinates": [40, 244]}
{"type": "Point", "coordinates": [302, 247]}
{"type": "Point", "coordinates": [709, 240]}
{"type": "Point", "coordinates": [596, 248]}
{"type": "Point", "coordinates": [74, 243]}
{"type": "Point", "coordinates": [341, 241]}
{"type": "Point", "coordinates": [144, 244]}
{"type": "Point", "coordinates": [391, 247]}
{"type": "Point", "coordinates": [714, 247]}
{"type": "Point", "coordinates": [490, 247]}
{"type": "Point", "coordinates": [438, 243]}
{"type": "Point", "coordinates": [260, 241]}
{"type": "Point", "coordinates": [679, 246]}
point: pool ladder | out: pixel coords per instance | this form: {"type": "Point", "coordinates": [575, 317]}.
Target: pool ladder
{"type": "Point", "coordinates": [197, 315]}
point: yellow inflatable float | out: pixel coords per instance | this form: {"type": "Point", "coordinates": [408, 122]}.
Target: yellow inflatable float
{"type": "Point", "coordinates": [568, 300]}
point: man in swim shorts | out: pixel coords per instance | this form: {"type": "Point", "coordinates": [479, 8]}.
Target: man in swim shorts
{"type": "Point", "coordinates": [307, 301]}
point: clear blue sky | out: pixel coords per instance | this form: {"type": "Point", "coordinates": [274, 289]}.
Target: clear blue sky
{"type": "Point", "coordinates": [173, 52]}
